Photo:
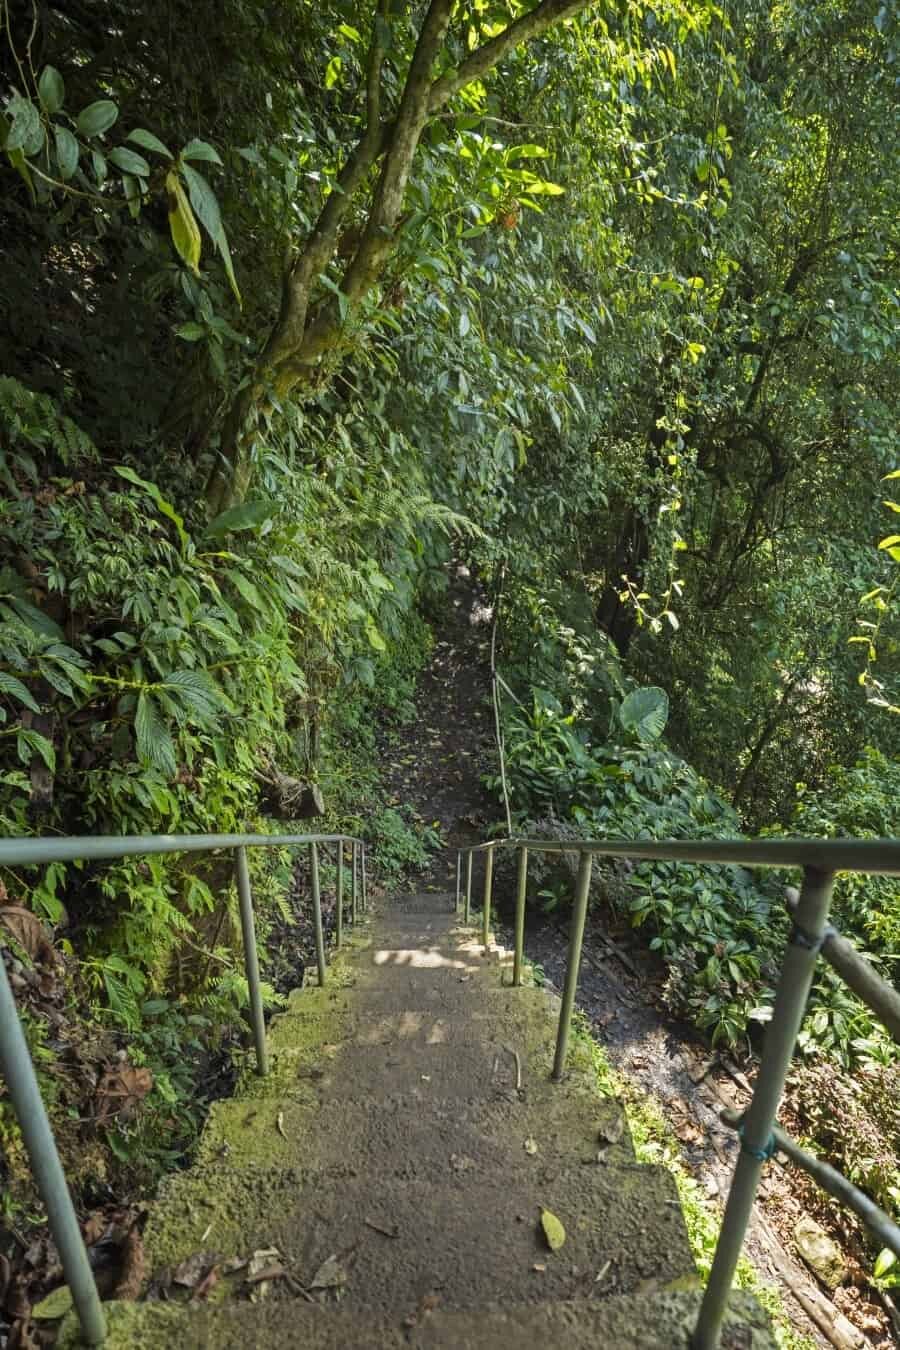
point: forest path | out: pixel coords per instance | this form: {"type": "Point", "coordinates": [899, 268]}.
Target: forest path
{"type": "Point", "coordinates": [436, 765]}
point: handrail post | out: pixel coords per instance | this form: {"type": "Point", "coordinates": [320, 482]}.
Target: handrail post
{"type": "Point", "coordinates": [339, 898]}
{"type": "Point", "coordinates": [486, 905]}
{"type": "Point", "coordinates": [458, 881]}
{"type": "Point", "coordinates": [467, 916]}
{"type": "Point", "coordinates": [576, 937]}
{"type": "Point", "coordinates": [317, 913]}
{"type": "Point", "coordinates": [756, 1135]}
{"type": "Point", "coordinates": [251, 959]}
{"type": "Point", "coordinates": [25, 1094]}
{"type": "Point", "coordinates": [520, 917]}
{"type": "Point", "coordinates": [365, 898]}
{"type": "Point", "coordinates": [354, 892]}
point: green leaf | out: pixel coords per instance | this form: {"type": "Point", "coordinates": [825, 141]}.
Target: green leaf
{"type": "Point", "coordinates": [67, 152]}
{"type": "Point", "coordinates": [527, 152]}
{"type": "Point", "coordinates": [10, 685]}
{"type": "Point", "coordinates": [644, 712]}
{"type": "Point", "coordinates": [155, 746]}
{"type": "Point", "coordinates": [200, 150]}
{"type": "Point", "coordinates": [54, 1306]}
{"type": "Point", "coordinates": [542, 188]}
{"type": "Point", "coordinates": [129, 161]}
{"type": "Point", "coordinates": [165, 507]}
{"type": "Point", "coordinates": [191, 331]}
{"type": "Point", "coordinates": [886, 1261]}
{"type": "Point", "coordinates": [147, 141]}
{"type": "Point", "coordinates": [51, 90]}
{"type": "Point", "coordinates": [246, 588]}
{"type": "Point", "coordinates": [27, 131]}
{"type": "Point", "coordinates": [554, 1232]}
{"type": "Point", "coordinates": [182, 225]}
{"type": "Point", "coordinates": [196, 691]}
{"type": "Point", "coordinates": [204, 203]}
{"type": "Point", "coordinates": [464, 323]}
{"type": "Point", "coordinates": [333, 72]}
{"type": "Point", "coordinates": [97, 118]}
{"type": "Point", "coordinates": [375, 639]}
{"type": "Point", "coordinates": [203, 200]}
{"type": "Point", "coordinates": [894, 506]}
{"type": "Point", "coordinates": [33, 743]}
{"type": "Point", "coordinates": [248, 516]}
{"type": "Point", "coordinates": [890, 541]}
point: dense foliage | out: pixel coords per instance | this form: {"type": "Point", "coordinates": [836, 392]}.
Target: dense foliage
{"type": "Point", "coordinates": [297, 298]}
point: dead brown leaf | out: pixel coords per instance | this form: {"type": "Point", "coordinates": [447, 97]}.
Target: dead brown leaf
{"type": "Point", "coordinates": [330, 1275]}
{"type": "Point", "coordinates": [260, 1261]}
{"type": "Point", "coordinates": [427, 1305]}
{"type": "Point", "coordinates": [207, 1284]}
{"type": "Point", "coordinates": [191, 1270]}
{"type": "Point", "coordinates": [134, 1266]}
{"type": "Point", "coordinates": [27, 930]}
{"type": "Point", "coordinates": [120, 1090]}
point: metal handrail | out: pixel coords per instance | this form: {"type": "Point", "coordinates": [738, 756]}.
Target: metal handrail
{"type": "Point", "coordinates": [811, 934]}
{"type": "Point", "coordinates": [15, 1060]}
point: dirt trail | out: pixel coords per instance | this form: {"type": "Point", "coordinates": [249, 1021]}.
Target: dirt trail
{"type": "Point", "coordinates": [436, 765]}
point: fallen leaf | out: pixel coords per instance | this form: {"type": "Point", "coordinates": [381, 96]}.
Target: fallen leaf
{"type": "Point", "coordinates": [55, 1305]}
{"type": "Point", "coordinates": [460, 1162]}
{"type": "Point", "coordinates": [539, 1266]}
{"type": "Point", "coordinates": [134, 1266]}
{"type": "Point", "coordinates": [530, 1147]}
{"type": "Point", "coordinates": [554, 1232]}
{"type": "Point", "coordinates": [95, 1225]}
{"type": "Point", "coordinates": [273, 1272]}
{"type": "Point", "coordinates": [330, 1275]}
{"type": "Point", "coordinates": [427, 1305]}
{"type": "Point", "coordinates": [192, 1269]}
{"type": "Point", "coordinates": [602, 1272]}
{"type": "Point", "coordinates": [121, 1090]}
{"type": "Point", "coordinates": [279, 1124]}
{"type": "Point", "coordinates": [207, 1284]}
{"type": "Point", "coordinates": [613, 1132]}
{"type": "Point", "coordinates": [261, 1258]}
{"type": "Point", "coordinates": [233, 1263]}
{"type": "Point", "coordinates": [27, 930]}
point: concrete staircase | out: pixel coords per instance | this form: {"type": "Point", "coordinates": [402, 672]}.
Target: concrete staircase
{"type": "Point", "coordinates": [384, 1186]}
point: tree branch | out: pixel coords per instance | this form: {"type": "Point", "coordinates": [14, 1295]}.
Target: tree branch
{"type": "Point", "coordinates": [484, 58]}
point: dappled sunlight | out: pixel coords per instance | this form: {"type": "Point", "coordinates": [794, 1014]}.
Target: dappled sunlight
{"type": "Point", "coordinates": [421, 958]}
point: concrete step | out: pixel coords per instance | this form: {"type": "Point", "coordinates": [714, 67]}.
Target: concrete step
{"type": "Point", "coordinates": [471, 1240]}
{"type": "Point", "coordinates": [416, 1136]}
{"type": "Point", "coordinates": [648, 1321]}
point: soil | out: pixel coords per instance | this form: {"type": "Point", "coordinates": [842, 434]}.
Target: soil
{"type": "Point", "coordinates": [439, 774]}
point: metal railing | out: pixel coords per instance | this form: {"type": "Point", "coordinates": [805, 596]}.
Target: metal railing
{"type": "Point", "coordinates": [17, 1068]}
{"type": "Point", "coordinates": [811, 935]}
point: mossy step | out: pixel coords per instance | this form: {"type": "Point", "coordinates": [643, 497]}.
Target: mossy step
{"type": "Point", "coordinates": [415, 1138]}
{"type": "Point", "coordinates": [648, 1321]}
{"type": "Point", "coordinates": [472, 1240]}
{"type": "Point", "coordinates": [515, 1019]}
{"type": "Point", "coordinates": [467, 1002]}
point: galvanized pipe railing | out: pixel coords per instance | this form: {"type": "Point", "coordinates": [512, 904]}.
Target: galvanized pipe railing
{"type": "Point", "coordinates": [812, 935]}
{"type": "Point", "coordinates": [16, 1066]}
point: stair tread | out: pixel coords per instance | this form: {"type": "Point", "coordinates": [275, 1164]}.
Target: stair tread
{"type": "Point", "coordinates": [467, 1238]}
{"type": "Point", "coordinates": [651, 1320]}
{"type": "Point", "coordinates": [414, 1135]}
